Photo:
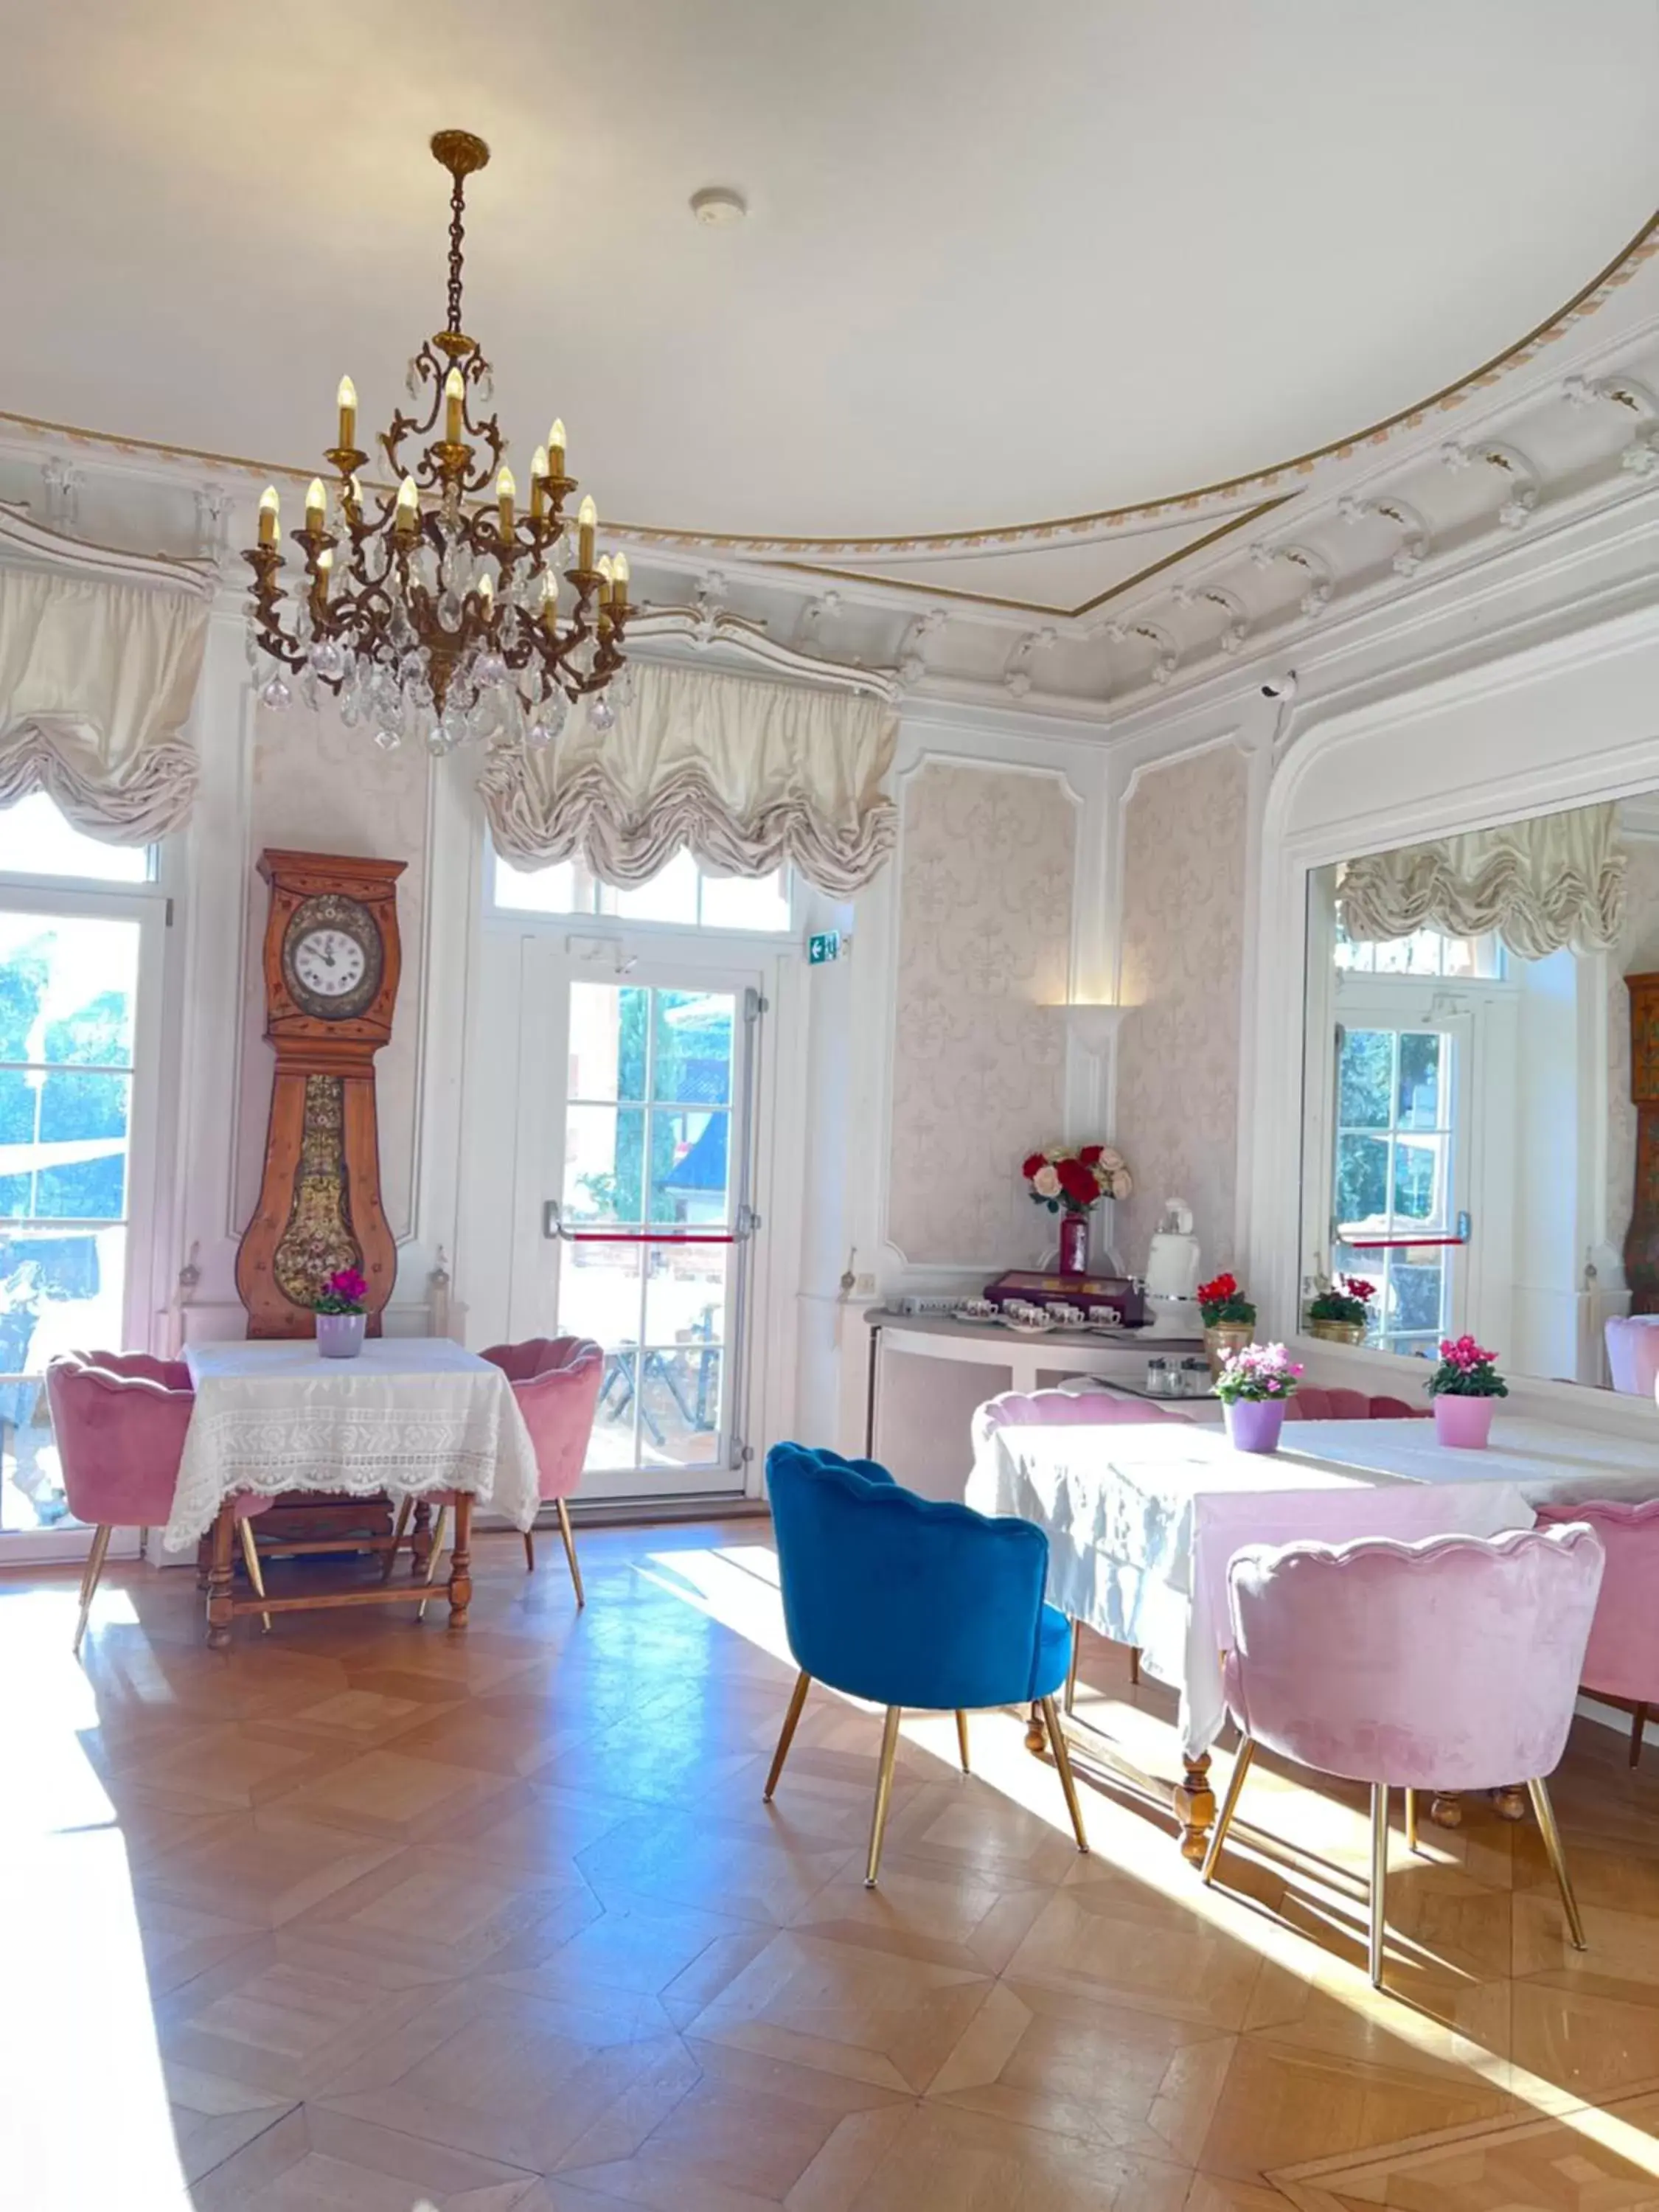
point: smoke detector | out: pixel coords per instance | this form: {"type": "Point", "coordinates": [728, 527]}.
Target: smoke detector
{"type": "Point", "coordinates": [717, 206]}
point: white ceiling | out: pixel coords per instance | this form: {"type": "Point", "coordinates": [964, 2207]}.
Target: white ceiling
{"type": "Point", "coordinates": [1003, 263]}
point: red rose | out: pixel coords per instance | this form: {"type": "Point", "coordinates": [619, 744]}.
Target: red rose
{"type": "Point", "coordinates": [1089, 1156]}
{"type": "Point", "coordinates": [1077, 1182]}
{"type": "Point", "coordinates": [1032, 1163]}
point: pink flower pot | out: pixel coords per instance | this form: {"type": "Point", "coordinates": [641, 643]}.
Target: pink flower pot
{"type": "Point", "coordinates": [1073, 1244]}
{"type": "Point", "coordinates": [340, 1336]}
{"type": "Point", "coordinates": [1253, 1424]}
{"type": "Point", "coordinates": [1464, 1422]}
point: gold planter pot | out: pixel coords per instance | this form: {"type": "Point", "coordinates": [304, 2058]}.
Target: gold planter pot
{"type": "Point", "coordinates": [1225, 1336]}
{"type": "Point", "coordinates": [1338, 1332]}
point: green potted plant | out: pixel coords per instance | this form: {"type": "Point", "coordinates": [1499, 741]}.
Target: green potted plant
{"type": "Point", "coordinates": [1229, 1318]}
{"type": "Point", "coordinates": [1465, 1387]}
{"type": "Point", "coordinates": [1338, 1311]}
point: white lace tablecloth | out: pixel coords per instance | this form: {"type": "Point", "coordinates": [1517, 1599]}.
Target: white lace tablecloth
{"type": "Point", "coordinates": [1142, 1521]}
{"type": "Point", "coordinates": [410, 1414]}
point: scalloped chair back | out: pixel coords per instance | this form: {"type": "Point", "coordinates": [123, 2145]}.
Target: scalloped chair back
{"type": "Point", "coordinates": [1621, 1661]}
{"type": "Point", "coordinates": [908, 1601]}
{"type": "Point", "coordinates": [1316, 1401]}
{"type": "Point", "coordinates": [1451, 1664]}
{"type": "Point", "coordinates": [555, 1381]}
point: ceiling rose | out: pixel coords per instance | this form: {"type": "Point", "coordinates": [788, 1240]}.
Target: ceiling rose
{"type": "Point", "coordinates": [427, 618]}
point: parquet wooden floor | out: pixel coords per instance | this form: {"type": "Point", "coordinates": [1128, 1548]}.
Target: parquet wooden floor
{"type": "Point", "coordinates": [359, 1916]}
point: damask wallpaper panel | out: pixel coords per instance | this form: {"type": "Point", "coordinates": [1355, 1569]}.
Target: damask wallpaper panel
{"type": "Point", "coordinates": [986, 863]}
{"type": "Point", "coordinates": [320, 787]}
{"type": "Point", "coordinates": [1182, 965]}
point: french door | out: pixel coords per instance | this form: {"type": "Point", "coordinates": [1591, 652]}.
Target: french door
{"type": "Point", "coordinates": [633, 1220]}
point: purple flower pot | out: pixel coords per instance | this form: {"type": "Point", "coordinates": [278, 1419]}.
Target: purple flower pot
{"type": "Point", "coordinates": [1463, 1422]}
{"type": "Point", "coordinates": [340, 1336]}
{"type": "Point", "coordinates": [1253, 1424]}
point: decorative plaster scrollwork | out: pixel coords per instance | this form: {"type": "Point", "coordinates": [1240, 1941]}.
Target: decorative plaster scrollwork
{"type": "Point", "coordinates": [62, 482]}
{"type": "Point", "coordinates": [1413, 548]}
{"type": "Point", "coordinates": [1641, 457]}
{"type": "Point", "coordinates": [711, 605]}
{"type": "Point", "coordinates": [1519, 478]}
{"type": "Point", "coordinates": [912, 665]}
{"type": "Point", "coordinates": [812, 617]}
{"type": "Point", "coordinates": [1321, 583]}
{"type": "Point", "coordinates": [1017, 674]}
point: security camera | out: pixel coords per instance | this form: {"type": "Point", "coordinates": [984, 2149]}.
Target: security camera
{"type": "Point", "coordinates": [1280, 687]}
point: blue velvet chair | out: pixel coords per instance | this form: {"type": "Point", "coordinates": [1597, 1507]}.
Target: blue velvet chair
{"type": "Point", "coordinates": [891, 1597]}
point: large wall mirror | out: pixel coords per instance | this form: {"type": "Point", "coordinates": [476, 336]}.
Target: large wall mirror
{"type": "Point", "coordinates": [1470, 1141]}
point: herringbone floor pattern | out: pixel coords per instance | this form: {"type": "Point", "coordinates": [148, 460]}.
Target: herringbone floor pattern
{"type": "Point", "coordinates": [359, 1916]}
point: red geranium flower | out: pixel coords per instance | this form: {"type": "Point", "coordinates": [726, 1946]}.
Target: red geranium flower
{"type": "Point", "coordinates": [1217, 1293]}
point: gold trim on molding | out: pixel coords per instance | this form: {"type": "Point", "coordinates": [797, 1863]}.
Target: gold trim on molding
{"type": "Point", "coordinates": [1242, 521]}
{"type": "Point", "coordinates": [1618, 272]}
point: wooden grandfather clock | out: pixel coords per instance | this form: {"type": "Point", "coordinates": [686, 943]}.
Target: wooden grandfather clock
{"type": "Point", "coordinates": [331, 960]}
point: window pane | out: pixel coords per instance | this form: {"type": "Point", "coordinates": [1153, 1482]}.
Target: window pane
{"type": "Point", "coordinates": [685, 1293]}
{"type": "Point", "coordinates": [1365, 1079]}
{"type": "Point", "coordinates": [691, 1045]}
{"type": "Point", "coordinates": [690, 1168]}
{"type": "Point", "coordinates": [670, 895]}
{"type": "Point", "coordinates": [607, 1041]}
{"type": "Point", "coordinates": [599, 1289]}
{"type": "Point", "coordinates": [35, 840]}
{"type": "Point", "coordinates": [1418, 1172]}
{"type": "Point", "coordinates": [1417, 1289]}
{"type": "Point", "coordinates": [680, 1407]}
{"type": "Point", "coordinates": [604, 1164]}
{"type": "Point", "coordinates": [537, 891]}
{"type": "Point", "coordinates": [67, 989]}
{"type": "Point", "coordinates": [746, 902]}
{"type": "Point", "coordinates": [1362, 1180]}
{"type": "Point", "coordinates": [1420, 1080]}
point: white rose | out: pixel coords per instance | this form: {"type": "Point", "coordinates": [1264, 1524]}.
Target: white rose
{"type": "Point", "coordinates": [1045, 1182]}
{"type": "Point", "coordinates": [1055, 1153]}
{"type": "Point", "coordinates": [1122, 1183]}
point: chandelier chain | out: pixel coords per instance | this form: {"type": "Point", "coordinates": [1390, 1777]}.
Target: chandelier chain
{"type": "Point", "coordinates": [456, 248]}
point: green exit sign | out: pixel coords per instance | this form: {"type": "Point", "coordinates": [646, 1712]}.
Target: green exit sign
{"type": "Point", "coordinates": [824, 946]}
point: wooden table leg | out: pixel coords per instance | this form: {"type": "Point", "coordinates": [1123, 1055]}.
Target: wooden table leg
{"type": "Point", "coordinates": [1195, 1806]}
{"type": "Point", "coordinates": [220, 1579]}
{"type": "Point", "coordinates": [460, 1562]}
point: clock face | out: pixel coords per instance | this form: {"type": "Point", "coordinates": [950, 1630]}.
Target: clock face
{"type": "Point", "coordinates": [332, 957]}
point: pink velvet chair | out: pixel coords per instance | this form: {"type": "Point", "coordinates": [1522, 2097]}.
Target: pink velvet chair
{"type": "Point", "coordinates": [1633, 1353]}
{"type": "Point", "coordinates": [1621, 1662]}
{"type": "Point", "coordinates": [1078, 1409]}
{"type": "Point", "coordinates": [1447, 1665]}
{"type": "Point", "coordinates": [555, 1382]}
{"type": "Point", "coordinates": [1315, 1401]}
{"type": "Point", "coordinates": [119, 1419]}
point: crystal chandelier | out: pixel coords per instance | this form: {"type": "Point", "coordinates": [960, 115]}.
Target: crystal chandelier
{"type": "Point", "coordinates": [430, 617]}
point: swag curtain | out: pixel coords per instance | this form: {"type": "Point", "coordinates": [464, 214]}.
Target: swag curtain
{"type": "Point", "coordinates": [747, 774]}
{"type": "Point", "coordinates": [96, 681]}
{"type": "Point", "coordinates": [1558, 879]}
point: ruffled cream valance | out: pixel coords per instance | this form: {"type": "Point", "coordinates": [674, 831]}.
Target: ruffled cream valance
{"type": "Point", "coordinates": [746, 774]}
{"type": "Point", "coordinates": [96, 681]}
{"type": "Point", "coordinates": [1556, 880]}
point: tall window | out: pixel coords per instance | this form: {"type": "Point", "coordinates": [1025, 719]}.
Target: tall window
{"type": "Point", "coordinates": [681, 894]}
{"type": "Point", "coordinates": [70, 963]}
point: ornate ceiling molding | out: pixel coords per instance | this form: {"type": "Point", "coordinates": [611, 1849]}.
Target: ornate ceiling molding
{"type": "Point", "coordinates": [25, 542]}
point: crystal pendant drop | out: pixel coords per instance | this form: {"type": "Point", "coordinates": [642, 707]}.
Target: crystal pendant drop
{"type": "Point", "coordinates": [387, 739]}
{"type": "Point", "coordinates": [449, 612]}
{"type": "Point", "coordinates": [326, 660]}
{"type": "Point", "coordinates": [274, 693]}
{"type": "Point", "coordinates": [601, 715]}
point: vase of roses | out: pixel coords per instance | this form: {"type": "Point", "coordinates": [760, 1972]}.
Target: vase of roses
{"type": "Point", "coordinates": [1465, 1387]}
{"type": "Point", "coordinates": [342, 1311]}
{"type": "Point", "coordinates": [1071, 1182]}
{"type": "Point", "coordinates": [1338, 1311]}
{"type": "Point", "coordinates": [1229, 1318]}
{"type": "Point", "coordinates": [1255, 1384]}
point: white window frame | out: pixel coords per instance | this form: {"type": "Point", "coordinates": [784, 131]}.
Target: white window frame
{"type": "Point", "coordinates": [580, 919]}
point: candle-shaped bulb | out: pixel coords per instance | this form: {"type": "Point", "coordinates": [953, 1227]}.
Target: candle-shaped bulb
{"type": "Point", "coordinates": [604, 579]}
{"type": "Point", "coordinates": [487, 594]}
{"type": "Point", "coordinates": [537, 483]}
{"type": "Point", "coordinates": [454, 397]}
{"type": "Point", "coordinates": [619, 580]}
{"type": "Point", "coordinates": [506, 490]}
{"type": "Point", "coordinates": [539, 462]}
{"type": "Point", "coordinates": [316, 504]}
{"type": "Point", "coordinates": [550, 597]}
{"type": "Point", "coordinates": [587, 518]}
{"type": "Point", "coordinates": [271, 508]}
{"type": "Point", "coordinates": [325, 568]}
{"type": "Point", "coordinates": [555, 449]}
{"type": "Point", "coordinates": [408, 504]}
{"type": "Point", "coordinates": [346, 400]}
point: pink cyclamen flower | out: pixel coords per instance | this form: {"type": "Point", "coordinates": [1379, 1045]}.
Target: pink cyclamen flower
{"type": "Point", "coordinates": [347, 1283]}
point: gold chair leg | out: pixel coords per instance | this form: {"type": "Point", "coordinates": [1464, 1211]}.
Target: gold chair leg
{"type": "Point", "coordinates": [432, 1559]}
{"type": "Point", "coordinates": [889, 1736]}
{"type": "Point", "coordinates": [797, 1700]}
{"type": "Point", "coordinates": [1379, 1878]}
{"type": "Point", "coordinates": [962, 1739]}
{"type": "Point", "coordinates": [1070, 1698]}
{"type": "Point", "coordinates": [530, 1551]}
{"type": "Point", "coordinates": [255, 1572]}
{"type": "Point", "coordinates": [405, 1507]}
{"type": "Point", "coordinates": [94, 1567]}
{"type": "Point", "coordinates": [570, 1551]}
{"type": "Point", "coordinates": [1411, 1821]}
{"type": "Point", "coordinates": [1067, 1781]}
{"type": "Point", "coordinates": [1558, 1858]}
{"type": "Point", "coordinates": [1241, 1758]}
